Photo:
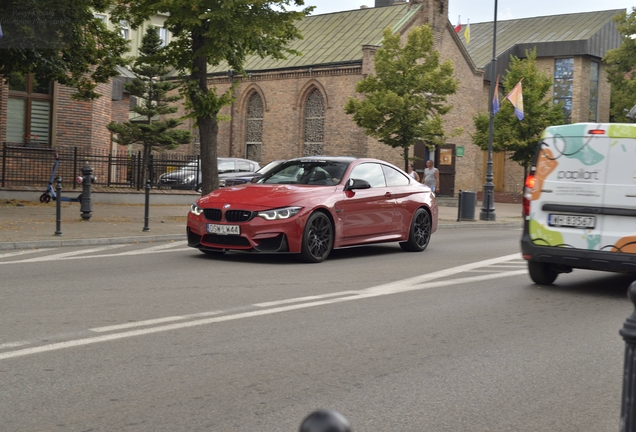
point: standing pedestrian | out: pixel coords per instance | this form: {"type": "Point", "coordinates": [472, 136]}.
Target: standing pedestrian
{"type": "Point", "coordinates": [413, 173]}
{"type": "Point", "coordinates": [431, 175]}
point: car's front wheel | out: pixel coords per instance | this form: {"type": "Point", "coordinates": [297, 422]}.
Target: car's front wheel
{"type": "Point", "coordinates": [317, 238]}
{"type": "Point", "coordinates": [542, 273]}
{"type": "Point", "coordinates": [420, 232]}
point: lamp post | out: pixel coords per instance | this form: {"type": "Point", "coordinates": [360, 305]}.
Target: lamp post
{"type": "Point", "coordinates": [488, 202]}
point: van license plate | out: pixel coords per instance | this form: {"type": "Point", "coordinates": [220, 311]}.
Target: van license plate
{"type": "Point", "coordinates": [224, 229]}
{"type": "Point", "coordinates": [571, 221]}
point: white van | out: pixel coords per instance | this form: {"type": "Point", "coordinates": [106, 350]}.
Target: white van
{"type": "Point", "coordinates": [580, 201]}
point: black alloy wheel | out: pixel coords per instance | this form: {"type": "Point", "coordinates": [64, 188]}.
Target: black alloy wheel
{"type": "Point", "coordinates": [420, 232]}
{"type": "Point", "coordinates": [317, 238]}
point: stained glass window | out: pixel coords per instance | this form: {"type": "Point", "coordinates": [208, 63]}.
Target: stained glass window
{"type": "Point", "coordinates": [593, 105]}
{"type": "Point", "coordinates": [254, 128]}
{"type": "Point", "coordinates": [564, 85]}
{"type": "Point", "coordinates": [314, 124]}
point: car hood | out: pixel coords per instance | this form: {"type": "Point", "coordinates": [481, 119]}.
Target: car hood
{"type": "Point", "coordinates": [263, 197]}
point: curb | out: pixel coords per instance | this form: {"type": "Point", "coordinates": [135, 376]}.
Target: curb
{"type": "Point", "coordinates": [89, 242]}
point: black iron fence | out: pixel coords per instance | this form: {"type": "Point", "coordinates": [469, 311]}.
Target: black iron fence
{"type": "Point", "coordinates": [30, 165]}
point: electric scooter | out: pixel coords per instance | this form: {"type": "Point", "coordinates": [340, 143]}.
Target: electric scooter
{"type": "Point", "coordinates": [50, 191]}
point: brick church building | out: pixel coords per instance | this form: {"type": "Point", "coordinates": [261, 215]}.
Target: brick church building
{"type": "Point", "coordinates": [294, 107]}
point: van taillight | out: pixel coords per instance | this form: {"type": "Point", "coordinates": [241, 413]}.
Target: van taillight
{"type": "Point", "coordinates": [596, 132]}
{"type": "Point", "coordinates": [530, 183]}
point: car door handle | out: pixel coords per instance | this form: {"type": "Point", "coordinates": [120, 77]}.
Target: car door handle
{"type": "Point", "coordinates": [388, 195]}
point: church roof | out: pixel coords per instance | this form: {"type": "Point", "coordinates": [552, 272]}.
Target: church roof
{"type": "Point", "coordinates": [335, 37]}
{"type": "Point", "coordinates": [586, 33]}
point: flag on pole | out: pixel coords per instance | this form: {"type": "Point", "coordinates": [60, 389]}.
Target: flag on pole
{"type": "Point", "coordinates": [495, 98]}
{"type": "Point", "coordinates": [516, 99]}
{"type": "Point", "coordinates": [467, 32]}
{"type": "Point", "coordinates": [458, 27]}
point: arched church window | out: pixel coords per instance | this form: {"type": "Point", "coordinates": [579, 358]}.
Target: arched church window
{"type": "Point", "coordinates": [254, 128]}
{"type": "Point", "coordinates": [314, 124]}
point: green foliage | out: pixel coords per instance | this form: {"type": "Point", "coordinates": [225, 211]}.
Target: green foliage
{"type": "Point", "coordinates": [405, 98]}
{"type": "Point", "coordinates": [212, 33]}
{"type": "Point", "coordinates": [509, 134]}
{"type": "Point", "coordinates": [151, 88]}
{"type": "Point", "coordinates": [621, 66]}
{"type": "Point", "coordinates": [60, 40]}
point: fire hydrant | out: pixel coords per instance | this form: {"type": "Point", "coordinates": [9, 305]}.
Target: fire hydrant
{"type": "Point", "coordinates": [87, 180]}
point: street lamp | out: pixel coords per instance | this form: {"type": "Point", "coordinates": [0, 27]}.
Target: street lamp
{"type": "Point", "coordinates": [488, 202]}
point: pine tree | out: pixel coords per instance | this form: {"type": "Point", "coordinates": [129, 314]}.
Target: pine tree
{"type": "Point", "coordinates": [152, 89]}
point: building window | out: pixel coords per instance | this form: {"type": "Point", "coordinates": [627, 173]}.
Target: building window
{"type": "Point", "coordinates": [563, 85]}
{"type": "Point", "coordinates": [254, 128]}
{"type": "Point", "coordinates": [125, 29]}
{"type": "Point", "coordinates": [28, 109]}
{"type": "Point", "coordinates": [100, 17]}
{"type": "Point", "coordinates": [163, 35]}
{"type": "Point", "coordinates": [593, 107]}
{"type": "Point", "coordinates": [314, 124]}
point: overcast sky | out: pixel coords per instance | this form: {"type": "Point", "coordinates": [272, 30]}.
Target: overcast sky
{"type": "Point", "coordinates": [484, 10]}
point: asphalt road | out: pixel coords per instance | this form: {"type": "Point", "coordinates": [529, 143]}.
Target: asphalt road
{"type": "Point", "coordinates": [159, 337]}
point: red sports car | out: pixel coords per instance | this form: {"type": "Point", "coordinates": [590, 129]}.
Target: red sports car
{"type": "Point", "coordinates": [312, 205]}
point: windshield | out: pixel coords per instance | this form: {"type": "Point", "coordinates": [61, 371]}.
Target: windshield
{"type": "Point", "coordinates": [269, 166]}
{"type": "Point", "coordinates": [313, 172]}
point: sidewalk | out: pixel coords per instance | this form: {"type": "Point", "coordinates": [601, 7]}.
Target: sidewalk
{"type": "Point", "coordinates": [26, 224]}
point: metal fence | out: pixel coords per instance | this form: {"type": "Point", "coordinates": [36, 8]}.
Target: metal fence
{"type": "Point", "coordinates": [31, 165]}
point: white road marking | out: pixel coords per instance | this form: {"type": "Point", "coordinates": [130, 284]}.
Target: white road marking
{"type": "Point", "coordinates": [68, 254]}
{"type": "Point", "coordinates": [13, 344]}
{"type": "Point", "coordinates": [155, 248]}
{"type": "Point", "coordinates": [74, 254]}
{"type": "Point", "coordinates": [406, 285]}
{"type": "Point", "coordinates": [152, 321]}
{"type": "Point", "coordinates": [22, 252]}
{"type": "Point", "coordinates": [301, 299]}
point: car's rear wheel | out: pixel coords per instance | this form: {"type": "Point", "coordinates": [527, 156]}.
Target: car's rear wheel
{"type": "Point", "coordinates": [542, 273]}
{"type": "Point", "coordinates": [317, 238]}
{"type": "Point", "coordinates": [420, 232]}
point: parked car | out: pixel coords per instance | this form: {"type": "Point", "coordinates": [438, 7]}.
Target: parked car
{"type": "Point", "coordinates": [251, 177]}
{"type": "Point", "coordinates": [311, 205]}
{"type": "Point", "coordinates": [189, 176]}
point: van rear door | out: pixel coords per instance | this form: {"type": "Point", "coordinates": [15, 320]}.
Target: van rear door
{"type": "Point", "coordinates": [568, 194]}
{"type": "Point", "coordinates": [619, 195]}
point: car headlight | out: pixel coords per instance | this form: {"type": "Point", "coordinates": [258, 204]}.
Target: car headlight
{"type": "Point", "coordinates": [195, 209]}
{"type": "Point", "coordinates": [221, 182]}
{"type": "Point", "coordinates": [188, 179]}
{"type": "Point", "coordinates": [281, 213]}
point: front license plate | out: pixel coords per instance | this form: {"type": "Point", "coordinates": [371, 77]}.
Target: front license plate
{"type": "Point", "coordinates": [571, 221]}
{"type": "Point", "coordinates": [224, 229]}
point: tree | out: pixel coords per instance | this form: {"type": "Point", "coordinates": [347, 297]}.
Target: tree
{"type": "Point", "coordinates": [211, 33]}
{"type": "Point", "coordinates": [621, 66]}
{"type": "Point", "coordinates": [60, 40]}
{"type": "Point", "coordinates": [509, 134]}
{"type": "Point", "coordinates": [150, 86]}
{"type": "Point", "coordinates": [406, 96]}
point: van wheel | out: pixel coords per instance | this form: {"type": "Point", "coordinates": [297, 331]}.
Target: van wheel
{"type": "Point", "coordinates": [542, 273]}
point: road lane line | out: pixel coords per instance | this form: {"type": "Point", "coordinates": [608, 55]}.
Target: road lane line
{"type": "Point", "coordinates": [386, 289]}
{"type": "Point", "coordinates": [13, 344]}
{"type": "Point", "coordinates": [57, 257]}
{"type": "Point", "coordinates": [68, 254]}
{"type": "Point", "coordinates": [154, 248]}
{"type": "Point", "coordinates": [152, 321]}
{"type": "Point", "coordinates": [22, 252]}
{"type": "Point", "coordinates": [301, 299]}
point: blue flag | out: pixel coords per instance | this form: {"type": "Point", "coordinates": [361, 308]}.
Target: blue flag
{"type": "Point", "coordinates": [495, 98]}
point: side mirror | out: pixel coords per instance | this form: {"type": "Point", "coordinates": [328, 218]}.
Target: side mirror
{"type": "Point", "coordinates": [356, 184]}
